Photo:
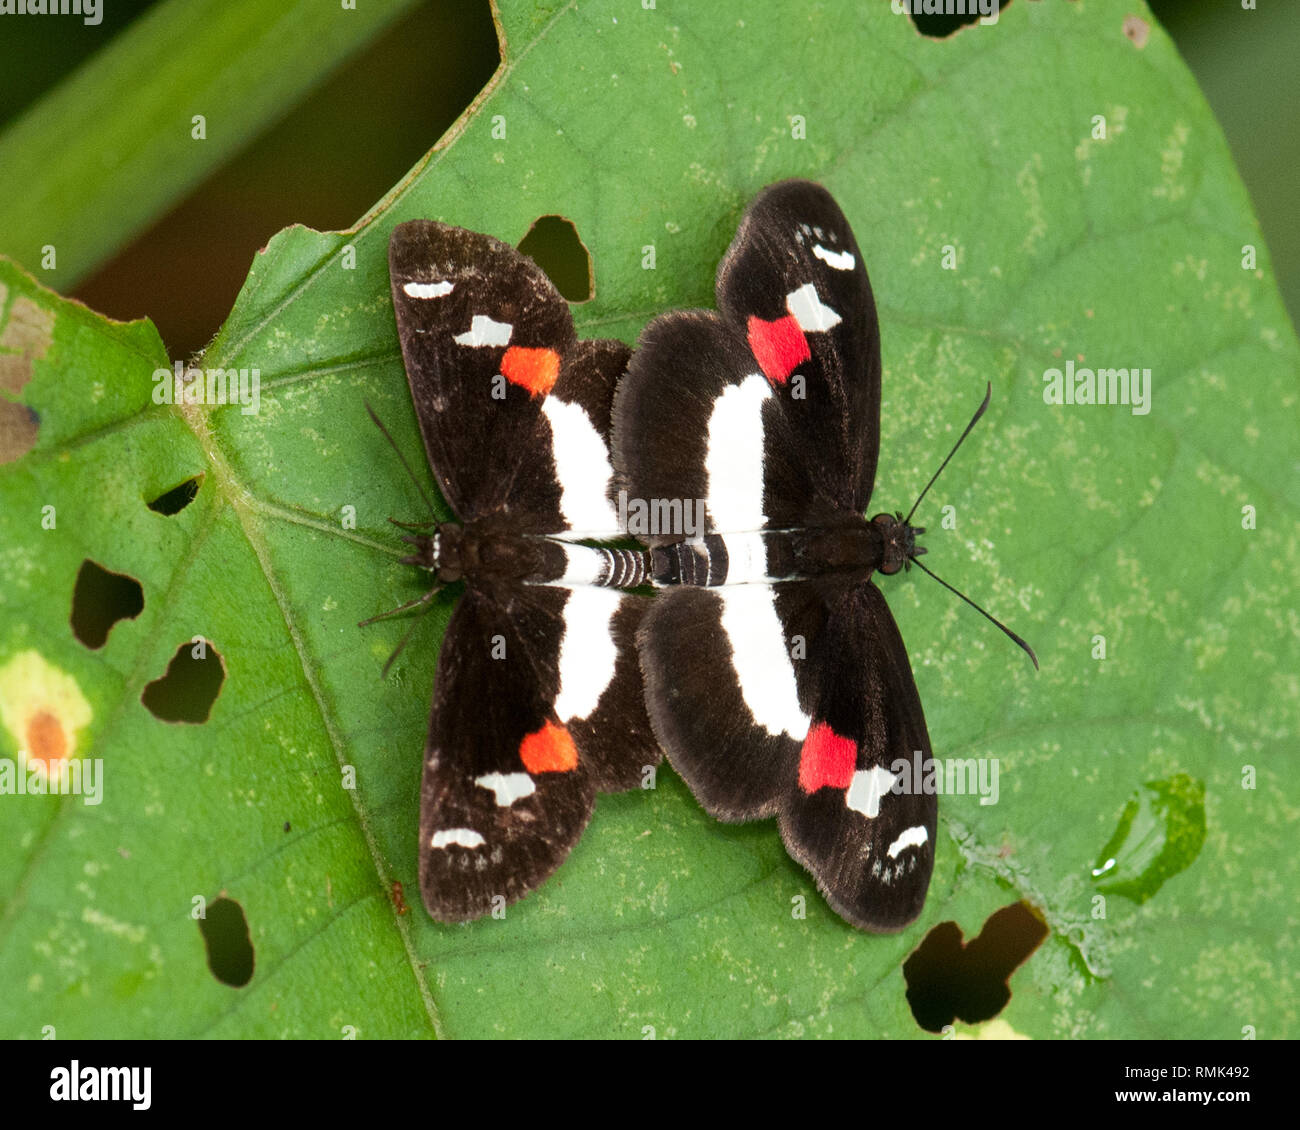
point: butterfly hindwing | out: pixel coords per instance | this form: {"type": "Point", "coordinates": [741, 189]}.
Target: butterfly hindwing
{"type": "Point", "coordinates": [791, 700]}
{"type": "Point", "coordinates": [690, 422]}
{"type": "Point", "coordinates": [615, 740]}
{"type": "Point", "coordinates": [722, 691]}
{"type": "Point", "coordinates": [578, 415]}
{"type": "Point", "coordinates": [537, 706]}
{"type": "Point", "coordinates": [490, 828]}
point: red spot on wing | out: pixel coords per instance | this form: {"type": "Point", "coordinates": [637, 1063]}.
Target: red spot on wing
{"type": "Point", "coordinates": [826, 760]}
{"type": "Point", "coordinates": [533, 369]}
{"type": "Point", "coordinates": [549, 750]}
{"type": "Point", "coordinates": [778, 346]}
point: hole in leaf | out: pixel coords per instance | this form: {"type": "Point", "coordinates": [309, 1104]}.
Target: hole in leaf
{"type": "Point", "coordinates": [940, 24]}
{"type": "Point", "coordinates": [99, 600]}
{"type": "Point", "coordinates": [175, 500]}
{"type": "Point", "coordinates": [190, 686]}
{"type": "Point", "coordinates": [225, 936]}
{"type": "Point", "coordinates": [948, 980]}
{"type": "Point", "coordinates": [553, 244]}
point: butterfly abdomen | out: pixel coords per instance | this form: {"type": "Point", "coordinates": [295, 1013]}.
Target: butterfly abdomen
{"type": "Point", "coordinates": [699, 561]}
{"type": "Point", "coordinates": [628, 568]}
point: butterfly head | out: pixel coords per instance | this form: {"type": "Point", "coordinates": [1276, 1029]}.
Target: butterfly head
{"type": "Point", "coordinates": [898, 541]}
{"type": "Point", "coordinates": [440, 552]}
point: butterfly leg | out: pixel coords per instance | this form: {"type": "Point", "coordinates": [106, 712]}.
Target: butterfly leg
{"type": "Point", "coordinates": [419, 600]}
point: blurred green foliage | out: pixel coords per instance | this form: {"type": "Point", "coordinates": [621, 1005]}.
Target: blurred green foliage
{"type": "Point", "coordinates": [1245, 63]}
{"type": "Point", "coordinates": [341, 148]}
{"type": "Point", "coordinates": [322, 158]}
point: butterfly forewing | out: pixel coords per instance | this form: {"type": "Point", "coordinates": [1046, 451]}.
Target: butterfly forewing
{"type": "Point", "coordinates": [483, 332]}
{"type": "Point", "coordinates": [861, 818]}
{"type": "Point", "coordinates": [794, 282]}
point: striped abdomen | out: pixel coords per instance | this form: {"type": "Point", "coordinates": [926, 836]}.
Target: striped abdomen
{"type": "Point", "coordinates": [595, 565]}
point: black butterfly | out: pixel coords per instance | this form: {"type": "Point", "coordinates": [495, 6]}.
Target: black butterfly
{"type": "Point", "coordinates": [538, 703]}
{"type": "Point", "coordinates": [776, 678]}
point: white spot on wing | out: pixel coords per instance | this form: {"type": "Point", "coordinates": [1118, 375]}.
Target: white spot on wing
{"type": "Point", "coordinates": [808, 310]}
{"type": "Point", "coordinates": [427, 290]}
{"type": "Point", "coordinates": [910, 837]}
{"type": "Point", "coordinates": [837, 260]}
{"type": "Point", "coordinates": [509, 787]}
{"type": "Point", "coordinates": [460, 837]}
{"type": "Point", "coordinates": [484, 331]}
{"type": "Point", "coordinates": [587, 652]}
{"type": "Point", "coordinates": [761, 661]}
{"type": "Point", "coordinates": [734, 461]}
{"type": "Point", "coordinates": [582, 464]}
{"type": "Point", "coordinates": [866, 790]}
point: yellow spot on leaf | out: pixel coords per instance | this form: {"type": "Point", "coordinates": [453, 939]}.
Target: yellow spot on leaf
{"type": "Point", "coordinates": [992, 1030]}
{"type": "Point", "coordinates": [43, 709]}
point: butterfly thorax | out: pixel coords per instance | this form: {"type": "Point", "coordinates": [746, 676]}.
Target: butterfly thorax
{"type": "Point", "coordinates": [854, 548]}
{"type": "Point", "coordinates": [454, 553]}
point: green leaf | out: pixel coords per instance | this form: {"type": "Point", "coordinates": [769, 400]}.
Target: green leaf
{"type": "Point", "coordinates": [1072, 522]}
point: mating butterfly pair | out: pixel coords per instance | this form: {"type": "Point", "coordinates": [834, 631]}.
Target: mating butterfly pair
{"type": "Point", "coordinates": [767, 665]}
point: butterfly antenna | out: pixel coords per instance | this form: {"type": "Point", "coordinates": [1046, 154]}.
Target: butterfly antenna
{"type": "Point", "coordinates": [379, 424]}
{"type": "Point", "coordinates": [973, 421]}
{"type": "Point", "coordinates": [991, 619]}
